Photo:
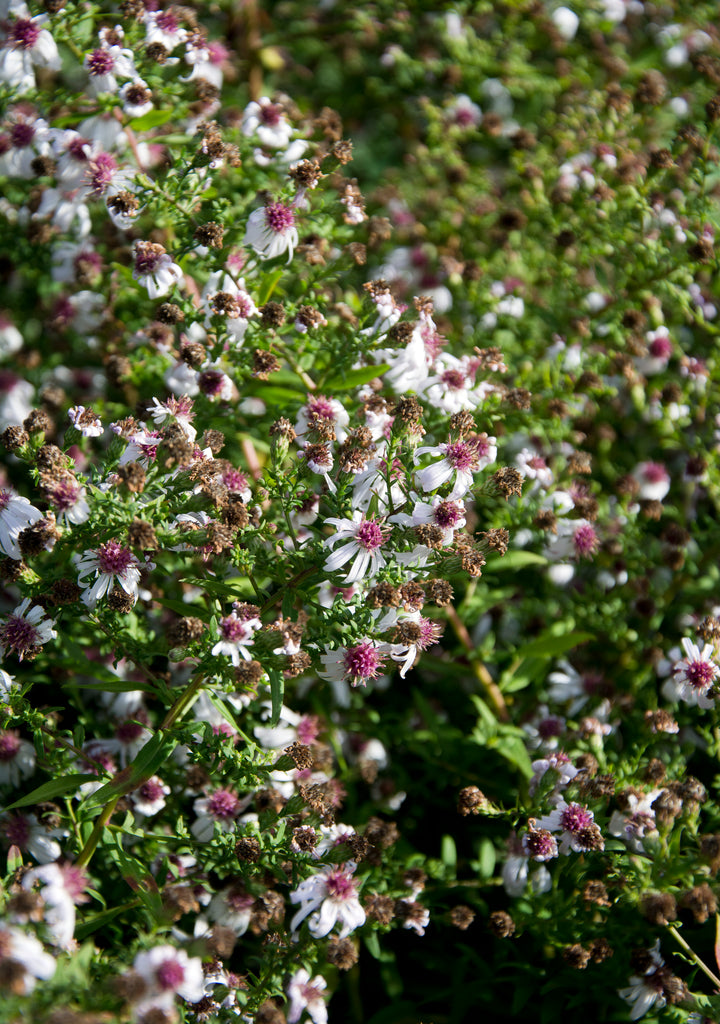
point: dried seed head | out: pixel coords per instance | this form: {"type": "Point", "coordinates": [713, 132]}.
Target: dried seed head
{"type": "Point", "coordinates": [501, 924]}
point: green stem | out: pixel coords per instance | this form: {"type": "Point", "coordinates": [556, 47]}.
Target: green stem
{"type": "Point", "coordinates": [693, 955]}
{"type": "Point", "coordinates": [90, 846]}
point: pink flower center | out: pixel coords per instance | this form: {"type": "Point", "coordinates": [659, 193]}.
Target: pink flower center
{"type": "Point", "coordinates": [151, 791]}
{"type": "Point", "coordinates": [223, 804]}
{"type": "Point", "coordinates": [661, 348]}
{"type": "Point", "coordinates": [148, 258]}
{"type": "Point", "coordinates": [279, 218]}
{"type": "Point", "coordinates": [129, 732]}
{"type": "Point", "coordinates": [25, 33]}
{"type": "Point", "coordinates": [170, 975]}
{"type": "Point", "coordinates": [78, 149]}
{"type": "Point", "coordinates": [447, 515]}
{"type": "Point", "coordinates": [17, 830]}
{"type": "Point", "coordinates": [340, 886]}
{"type": "Point", "coordinates": [369, 535]}
{"type": "Point", "coordinates": [234, 480]}
{"type": "Point", "coordinates": [22, 134]}
{"type": "Point", "coordinates": [700, 674]}
{"type": "Point", "coordinates": [9, 746]}
{"type": "Point", "coordinates": [19, 635]}
{"type": "Point", "coordinates": [271, 114]}
{"type": "Point", "coordinates": [233, 629]}
{"type": "Point", "coordinates": [464, 117]}
{"type": "Point", "coordinates": [362, 661]}
{"type": "Point", "coordinates": [461, 456]}
{"type": "Point", "coordinates": [5, 497]}
{"type": "Point", "coordinates": [308, 729]}
{"type": "Point", "coordinates": [65, 494]}
{"type": "Point", "coordinates": [429, 633]}
{"type": "Point", "coordinates": [537, 462]}
{"type": "Point", "coordinates": [453, 379]}
{"type": "Point", "coordinates": [550, 727]}
{"type": "Point", "coordinates": [654, 472]}
{"type": "Point", "coordinates": [211, 382]}
{"type": "Point", "coordinates": [585, 541]}
{"type": "Point", "coordinates": [167, 21]}
{"type": "Point", "coordinates": [575, 817]}
{"type": "Point", "coordinates": [100, 62]}
{"type": "Point", "coordinates": [114, 559]}
{"type": "Point", "coordinates": [102, 170]}
{"type": "Point", "coordinates": [321, 408]}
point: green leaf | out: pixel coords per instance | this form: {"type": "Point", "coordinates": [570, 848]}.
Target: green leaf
{"type": "Point", "coordinates": [550, 646]}
{"type": "Point", "coordinates": [448, 852]}
{"type": "Point", "coordinates": [486, 858]}
{"type": "Point", "coordinates": [514, 560]}
{"type": "Point", "coordinates": [152, 119]}
{"type": "Point", "coordinates": [277, 692]}
{"type": "Point", "coordinates": [56, 787]}
{"type": "Point", "coordinates": [155, 752]}
{"type": "Point", "coordinates": [355, 378]}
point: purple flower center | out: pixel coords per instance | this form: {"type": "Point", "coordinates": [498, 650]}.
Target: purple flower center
{"type": "Point", "coordinates": [5, 497]}
{"type": "Point", "coordinates": [19, 635]}
{"type": "Point", "coordinates": [447, 515]}
{"type": "Point", "coordinates": [541, 844]}
{"type": "Point", "coordinates": [271, 114]}
{"type": "Point", "coordinates": [454, 379]}
{"type": "Point", "coordinates": [239, 901]}
{"type": "Point", "coordinates": [654, 472]}
{"type": "Point", "coordinates": [700, 674]}
{"type": "Point", "coordinates": [585, 541]}
{"type": "Point", "coordinates": [148, 258]}
{"type": "Point", "coordinates": [114, 559]}
{"type": "Point", "coordinates": [362, 661]}
{"type": "Point", "coordinates": [550, 727]}
{"type": "Point", "coordinates": [65, 494]}
{"type": "Point", "coordinates": [25, 33]}
{"type": "Point", "coordinates": [576, 817]}
{"type": "Point", "coordinates": [129, 732]}
{"type": "Point", "coordinates": [369, 535]}
{"type": "Point", "coordinates": [320, 408]}
{"type": "Point", "coordinates": [308, 729]}
{"type": "Point", "coordinates": [461, 455]}
{"type": "Point", "coordinates": [100, 62]}
{"type": "Point", "coordinates": [22, 134]}
{"type": "Point", "coordinates": [340, 886]}
{"type": "Point", "coordinates": [234, 480]}
{"type": "Point", "coordinates": [167, 21]}
{"type": "Point", "coordinates": [661, 348]}
{"type": "Point", "coordinates": [279, 218]}
{"type": "Point", "coordinates": [592, 683]}
{"type": "Point", "coordinates": [151, 791]}
{"type": "Point", "coordinates": [9, 746]}
{"type": "Point", "coordinates": [233, 629]}
{"type": "Point", "coordinates": [223, 804]}
{"type": "Point", "coordinates": [17, 830]}
{"type": "Point", "coordinates": [211, 382]}
{"type": "Point", "coordinates": [537, 462]}
{"type": "Point", "coordinates": [464, 117]}
{"type": "Point", "coordinates": [170, 975]}
{"type": "Point", "coordinates": [78, 149]}
{"type": "Point", "coordinates": [102, 169]}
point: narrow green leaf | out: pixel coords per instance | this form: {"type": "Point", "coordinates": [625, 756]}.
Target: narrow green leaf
{"type": "Point", "coordinates": [152, 119]}
{"type": "Point", "coordinates": [355, 378]}
{"type": "Point", "coordinates": [49, 790]}
{"type": "Point", "coordinates": [277, 692]}
{"type": "Point", "coordinates": [448, 852]}
{"type": "Point", "coordinates": [155, 752]}
{"type": "Point", "coordinates": [514, 560]}
{"type": "Point", "coordinates": [550, 646]}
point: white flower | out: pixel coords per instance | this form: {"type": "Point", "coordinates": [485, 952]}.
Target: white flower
{"type": "Point", "coordinates": [149, 798]}
{"type": "Point", "coordinates": [330, 897]}
{"type": "Point", "coordinates": [644, 992]}
{"type": "Point", "coordinates": [636, 821]}
{"type": "Point", "coordinates": [16, 513]}
{"type": "Point", "coordinates": [27, 951]}
{"type": "Point", "coordinates": [695, 674]}
{"type": "Point", "coordinates": [271, 231]}
{"type": "Point", "coordinates": [61, 888]}
{"type": "Point", "coordinates": [111, 563]}
{"type": "Point", "coordinates": [169, 970]}
{"type": "Point", "coordinates": [155, 269]}
{"type": "Point", "coordinates": [26, 832]}
{"type": "Point", "coordinates": [237, 633]}
{"type": "Point", "coordinates": [24, 632]}
{"type": "Point", "coordinates": [459, 460]}
{"type": "Point", "coordinates": [266, 121]}
{"type": "Point", "coordinates": [17, 759]}
{"type": "Point", "coordinates": [177, 410]}
{"type": "Point", "coordinates": [104, 64]}
{"type": "Point", "coordinates": [324, 413]}
{"type": "Point", "coordinates": [222, 807]}
{"type": "Point", "coordinates": [307, 995]}
{"type": "Point", "coordinates": [26, 43]}
{"type": "Point", "coordinates": [162, 27]}
{"type": "Point", "coordinates": [653, 480]}
{"type": "Point", "coordinates": [233, 908]}
{"type": "Point", "coordinates": [362, 539]}
{"type": "Point", "coordinates": [577, 824]}
{"type": "Point", "coordinates": [566, 22]}
{"type": "Point", "coordinates": [452, 386]}
{"type": "Point", "coordinates": [85, 421]}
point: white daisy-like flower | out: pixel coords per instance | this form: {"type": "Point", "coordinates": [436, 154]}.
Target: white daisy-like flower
{"type": "Point", "coordinates": [25, 950]}
{"type": "Point", "coordinates": [305, 994]}
{"type": "Point", "coordinates": [224, 297]}
{"type": "Point", "coordinates": [267, 122]}
{"type": "Point", "coordinates": [136, 98]}
{"type": "Point", "coordinates": [452, 386]}
{"type": "Point", "coordinates": [105, 65]}
{"type": "Point", "coordinates": [695, 675]}
{"type": "Point", "coordinates": [271, 231]}
{"type": "Point", "coordinates": [24, 631]}
{"type": "Point", "coordinates": [222, 808]}
{"type": "Point", "coordinates": [354, 664]}
{"type": "Point", "coordinates": [155, 269]}
{"type": "Point", "coordinates": [236, 632]}
{"type": "Point", "coordinates": [149, 798]}
{"type": "Point", "coordinates": [28, 834]}
{"type": "Point", "coordinates": [163, 27]}
{"type": "Point", "coordinates": [27, 44]}
{"type": "Point", "coordinates": [359, 539]}
{"type": "Point", "coordinates": [167, 970]}
{"type": "Point", "coordinates": [447, 516]}
{"type": "Point", "coordinates": [17, 758]}
{"type": "Point", "coordinates": [577, 825]}
{"type": "Point", "coordinates": [636, 821]}
{"type": "Point", "coordinates": [111, 563]}
{"type": "Point", "coordinates": [176, 410]}
{"type": "Point", "coordinates": [233, 908]}
{"type": "Point", "coordinates": [323, 414]}
{"type": "Point", "coordinates": [653, 481]}
{"type": "Point", "coordinates": [16, 513]}
{"type": "Point", "coordinates": [458, 461]}
{"type": "Point", "coordinates": [646, 991]}
{"type": "Point", "coordinates": [329, 897]}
